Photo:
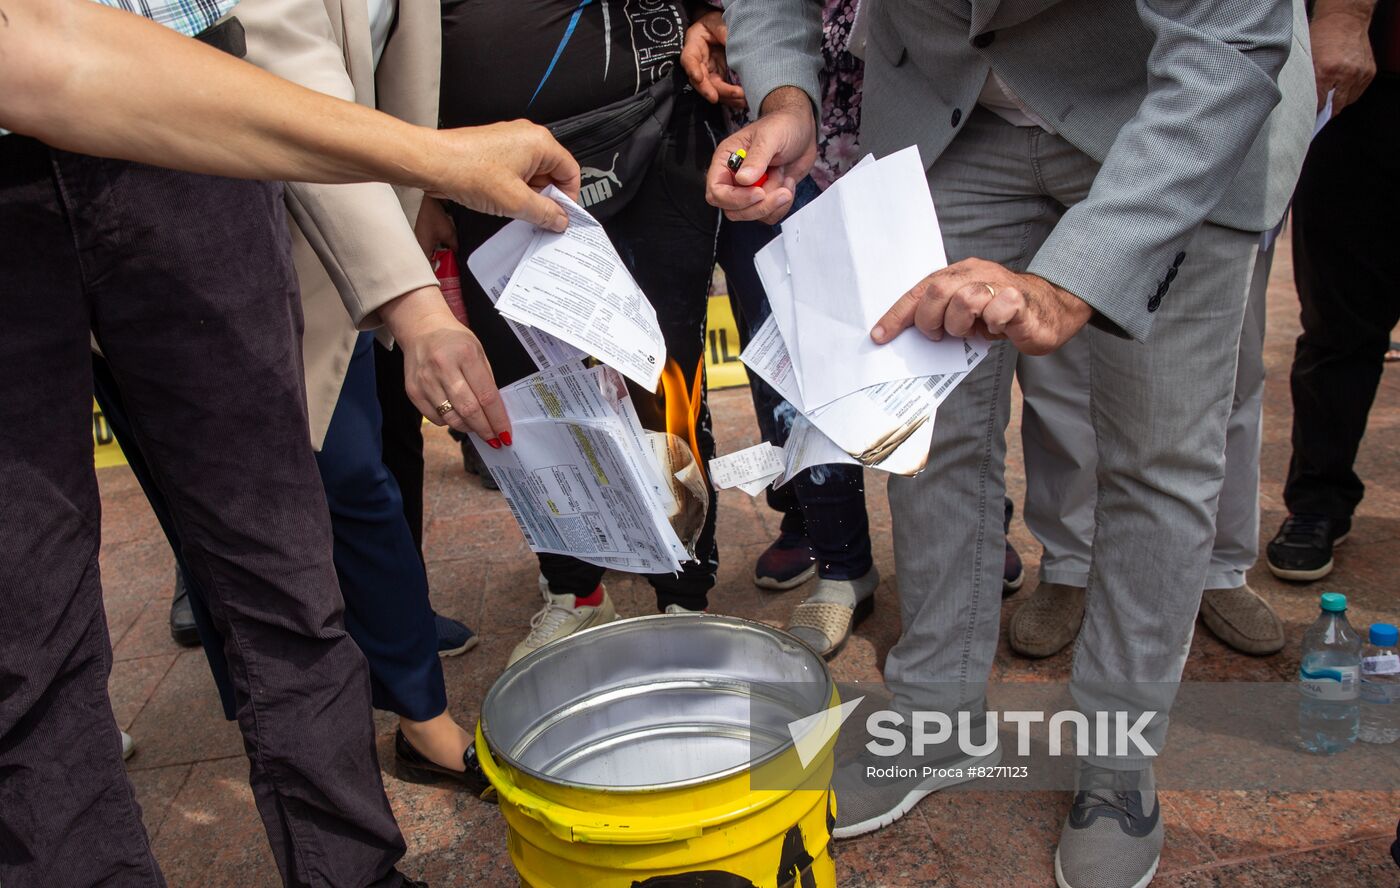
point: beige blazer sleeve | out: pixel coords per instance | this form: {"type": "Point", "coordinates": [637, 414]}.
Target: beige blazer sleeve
{"type": "Point", "coordinates": [359, 232]}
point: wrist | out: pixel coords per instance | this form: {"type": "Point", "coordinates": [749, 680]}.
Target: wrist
{"type": "Point", "coordinates": [790, 99]}
{"type": "Point", "coordinates": [415, 312]}
{"type": "Point", "coordinates": [1344, 13]}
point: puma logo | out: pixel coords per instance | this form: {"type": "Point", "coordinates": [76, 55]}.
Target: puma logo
{"type": "Point", "coordinates": [597, 185]}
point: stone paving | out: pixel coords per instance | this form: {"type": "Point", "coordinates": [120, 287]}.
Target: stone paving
{"type": "Point", "coordinates": [190, 773]}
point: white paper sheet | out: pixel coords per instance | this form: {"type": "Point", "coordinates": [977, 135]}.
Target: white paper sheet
{"type": "Point", "coordinates": [576, 479]}
{"type": "Point", "coordinates": [492, 264]}
{"type": "Point", "coordinates": [850, 254]}
{"type": "Point", "coordinates": [879, 425]}
{"type": "Point", "coordinates": [573, 285]}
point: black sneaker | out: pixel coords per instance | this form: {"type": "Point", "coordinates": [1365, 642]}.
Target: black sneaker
{"type": "Point", "coordinates": [1302, 549]}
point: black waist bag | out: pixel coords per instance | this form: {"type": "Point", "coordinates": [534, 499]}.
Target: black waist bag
{"type": "Point", "coordinates": [615, 145]}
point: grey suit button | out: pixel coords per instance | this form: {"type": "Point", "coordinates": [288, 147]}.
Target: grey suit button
{"type": "Point", "coordinates": [957, 116]}
{"type": "Point", "coordinates": [984, 40]}
{"type": "Point", "coordinates": [1154, 303]}
{"type": "Point", "coordinates": [1171, 274]}
{"type": "Point", "coordinates": [1180, 258]}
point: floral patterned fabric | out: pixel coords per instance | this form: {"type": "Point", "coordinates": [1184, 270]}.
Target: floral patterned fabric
{"type": "Point", "coordinates": [838, 135]}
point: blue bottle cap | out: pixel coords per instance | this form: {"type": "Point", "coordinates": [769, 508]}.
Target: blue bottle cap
{"type": "Point", "coordinates": [1384, 635]}
{"type": "Point", "coordinates": [1335, 602]}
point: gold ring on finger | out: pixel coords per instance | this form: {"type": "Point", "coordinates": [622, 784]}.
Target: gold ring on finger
{"type": "Point", "coordinates": [991, 291]}
{"type": "Point", "coordinates": [444, 408]}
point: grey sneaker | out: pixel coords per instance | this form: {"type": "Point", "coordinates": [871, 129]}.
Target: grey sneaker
{"type": "Point", "coordinates": [128, 746]}
{"type": "Point", "coordinates": [872, 791]}
{"type": "Point", "coordinates": [1113, 835]}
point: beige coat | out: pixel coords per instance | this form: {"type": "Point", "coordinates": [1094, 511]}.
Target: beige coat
{"type": "Point", "coordinates": [353, 244]}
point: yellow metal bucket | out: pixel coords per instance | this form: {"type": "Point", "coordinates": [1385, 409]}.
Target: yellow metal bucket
{"type": "Point", "coordinates": [764, 823]}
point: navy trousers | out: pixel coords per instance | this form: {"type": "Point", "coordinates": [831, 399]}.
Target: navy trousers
{"type": "Point", "coordinates": [382, 579]}
{"type": "Point", "coordinates": [825, 504]}
{"type": "Point", "coordinates": [187, 283]}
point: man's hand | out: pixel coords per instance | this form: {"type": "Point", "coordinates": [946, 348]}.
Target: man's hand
{"type": "Point", "coordinates": [976, 296]}
{"type": "Point", "coordinates": [703, 60]}
{"type": "Point", "coordinates": [1341, 47]}
{"type": "Point", "coordinates": [434, 227]}
{"type": "Point", "coordinates": [500, 169]}
{"type": "Point", "coordinates": [782, 142]}
{"type": "Point", "coordinates": [445, 364]}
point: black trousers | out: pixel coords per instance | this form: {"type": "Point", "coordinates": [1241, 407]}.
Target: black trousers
{"type": "Point", "coordinates": [380, 568]}
{"type": "Point", "coordinates": [187, 283]}
{"type": "Point", "coordinates": [666, 236]}
{"type": "Point", "coordinates": [1346, 264]}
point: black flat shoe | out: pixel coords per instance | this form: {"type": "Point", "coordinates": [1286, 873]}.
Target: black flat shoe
{"type": "Point", "coordinates": [415, 767]}
{"type": "Point", "coordinates": [182, 626]}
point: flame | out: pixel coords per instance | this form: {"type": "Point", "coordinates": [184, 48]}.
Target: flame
{"type": "Point", "coordinates": [681, 406]}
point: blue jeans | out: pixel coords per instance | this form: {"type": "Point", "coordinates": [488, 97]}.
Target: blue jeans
{"type": "Point", "coordinates": [382, 579]}
{"type": "Point", "coordinates": [825, 504]}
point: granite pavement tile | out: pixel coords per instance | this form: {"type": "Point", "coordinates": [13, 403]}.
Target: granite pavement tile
{"type": "Point", "coordinates": [1361, 864]}
{"type": "Point", "coordinates": [156, 789]}
{"type": "Point", "coordinates": [132, 683]}
{"type": "Point", "coordinates": [212, 836]}
{"type": "Point", "coordinates": [182, 720]}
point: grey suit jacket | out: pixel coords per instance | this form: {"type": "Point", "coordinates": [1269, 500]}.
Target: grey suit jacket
{"type": "Point", "coordinates": [1177, 99]}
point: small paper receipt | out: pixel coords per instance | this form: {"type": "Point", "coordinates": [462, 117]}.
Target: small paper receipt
{"type": "Point", "coordinates": [750, 469]}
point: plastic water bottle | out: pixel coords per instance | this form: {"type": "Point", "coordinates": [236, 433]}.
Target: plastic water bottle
{"type": "Point", "coordinates": [1380, 686]}
{"type": "Point", "coordinates": [1329, 680]}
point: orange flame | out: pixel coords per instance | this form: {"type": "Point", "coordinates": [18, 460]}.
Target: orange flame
{"type": "Point", "coordinates": [681, 407]}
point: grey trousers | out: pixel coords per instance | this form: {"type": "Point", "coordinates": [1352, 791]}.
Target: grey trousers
{"type": "Point", "coordinates": [1158, 410]}
{"type": "Point", "coordinates": [1057, 438]}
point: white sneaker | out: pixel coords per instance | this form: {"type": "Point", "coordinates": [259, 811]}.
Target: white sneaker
{"type": "Point", "coordinates": [560, 618]}
{"type": "Point", "coordinates": [128, 746]}
{"type": "Point", "coordinates": [677, 609]}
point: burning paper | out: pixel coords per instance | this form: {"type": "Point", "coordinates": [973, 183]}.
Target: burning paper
{"type": "Point", "coordinates": [872, 407]}
{"type": "Point", "coordinates": [583, 478]}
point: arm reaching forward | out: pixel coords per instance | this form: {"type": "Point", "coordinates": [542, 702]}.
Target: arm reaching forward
{"type": "Point", "coordinates": [86, 78]}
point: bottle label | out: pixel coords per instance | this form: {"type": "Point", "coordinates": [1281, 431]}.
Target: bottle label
{"type": "Point", "coordinates": [1333, 683]}
{"type": "Point", "coordinates": [1381, 693]}
{"type": "Point", "coordinates": [1385, 664]}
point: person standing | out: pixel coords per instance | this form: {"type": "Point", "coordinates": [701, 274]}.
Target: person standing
{"type": "Point", "coordinates": [185, 279]}
{"type": "Point", "coordinates": [1081, 225]}
{"type": "Point", "coordinates": [1345, 268]}
{"type": "Point", "coordinates": [353, 247]}
{"type": "Point", "coordinates": [1057, 435]}
{"type": "Point", "coordinates": [825, 531]}
{"type": "Point", "coordinates": [588, 67]}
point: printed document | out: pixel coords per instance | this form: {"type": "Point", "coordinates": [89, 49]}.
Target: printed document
{"type": "Point", "coordinates": [574, 286]}
{"type": "Point", "coordinates": [577, 477]}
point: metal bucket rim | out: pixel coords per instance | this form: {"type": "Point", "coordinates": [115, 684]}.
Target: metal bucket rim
{"type": "Point", "coordinates": [501, 756]}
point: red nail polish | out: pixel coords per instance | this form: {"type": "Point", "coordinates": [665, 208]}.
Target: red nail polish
{"type": "Point", "coordinates": [495, 443]}
{"type": "Point", "coordinates": [505, 438]}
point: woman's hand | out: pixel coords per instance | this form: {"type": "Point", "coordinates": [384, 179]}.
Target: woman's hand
{"type": "Point", "coordinates": [445, 366]}
{"type": "Point", "coordinates": [500, 169]}
{"type": "Point", "coordinates": [434, 228]}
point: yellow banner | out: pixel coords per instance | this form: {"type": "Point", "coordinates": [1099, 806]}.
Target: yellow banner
{"type": "Point", "coordinates": [722, 366]}
{"type": "Point", "coordinates": [105, 449]}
